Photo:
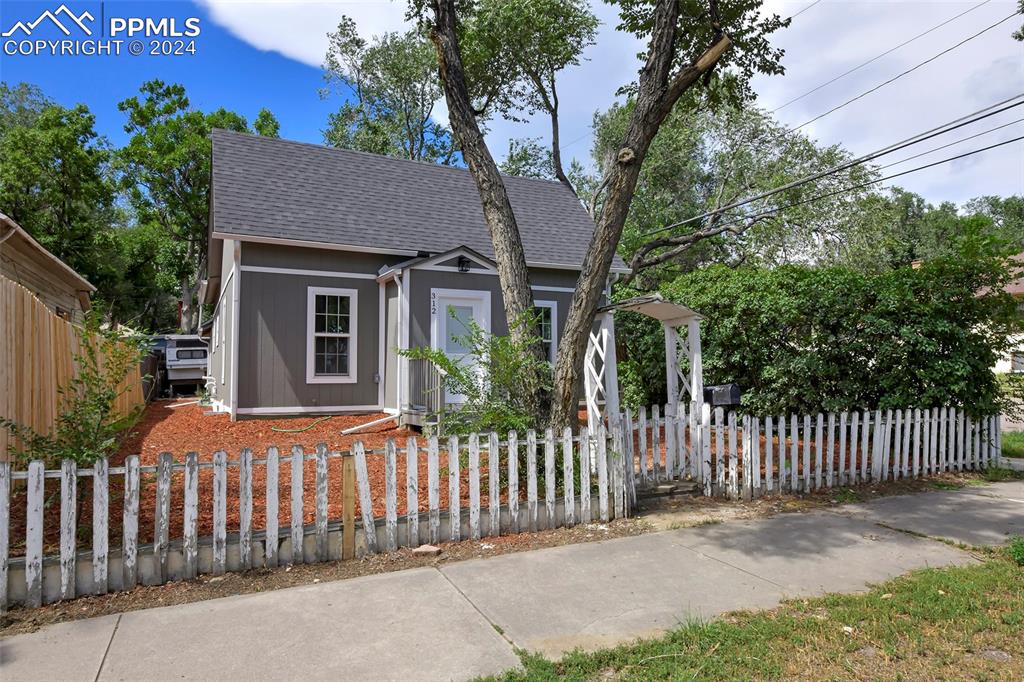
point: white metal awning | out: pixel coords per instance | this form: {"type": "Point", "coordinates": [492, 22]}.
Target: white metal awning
{"type": "Point", "coordinates": [657, 307]}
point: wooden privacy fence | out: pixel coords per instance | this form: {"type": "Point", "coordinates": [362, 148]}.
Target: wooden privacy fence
{"type": "Point", "coordinates": [493, 487]}
{"type": "Point", "coordinates": [37, 358]}
{"type": "Point", "coordinates": [743, 456]}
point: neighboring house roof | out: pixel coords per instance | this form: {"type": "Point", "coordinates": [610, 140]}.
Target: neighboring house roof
{"type": "Point", "coordinates": [10, 230]}
{"type": "Point", "coordinates": [277, 189]}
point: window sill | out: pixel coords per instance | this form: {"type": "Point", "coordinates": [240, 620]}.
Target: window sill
{"type": "Point", "coordinates": [330, 379]}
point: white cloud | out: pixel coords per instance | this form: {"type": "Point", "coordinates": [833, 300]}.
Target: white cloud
{"type": "Point", "coordinates": [298, 29]}
{"type": "Point", "coordinates": [824, 41]}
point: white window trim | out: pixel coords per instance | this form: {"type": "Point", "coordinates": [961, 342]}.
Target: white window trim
{"type": "Point", "coordinates": [353, 307]}
{"type": "Point", "coordinates": [223, 360]}
{"type": "Point", "coordinates": [553, 306]}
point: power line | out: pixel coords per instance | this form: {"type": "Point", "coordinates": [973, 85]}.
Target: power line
{"type": "Point", "coordinates": [955, 124]}
{"type": "Point", "coordinates": [904, 73]}
{"type": "Point", "coordinates": [770, 212]}
{"type": "Point", "coordinates": [794, 16]}
{"type": "Point", "coordinates": [950, 144]}
{"type": "Point", "coordinates": [877, 57]}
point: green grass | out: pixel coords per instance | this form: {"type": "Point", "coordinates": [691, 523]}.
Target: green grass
{"type": "Point", "coordinates": [997, 474]}
{"type": "Point", "coordinates": [930, 624]}
{"type": "Point", "coordinates": [1013, 444]}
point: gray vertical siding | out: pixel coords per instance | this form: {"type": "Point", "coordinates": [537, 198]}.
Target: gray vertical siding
{"type": "Point", "coordinates": [273, 323]}
{"type": "Point", "coordinates": [221, 353]}
{"type": "Point", "coordinates": [272, 356]}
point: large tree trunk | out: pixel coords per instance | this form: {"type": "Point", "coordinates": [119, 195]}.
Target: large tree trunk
{"type": "Point", "coordinates": [656, 96]}
{"type": "Point", "coordinates": [659, 89]}
{"type": "Point", "coordinates": [513, 275]}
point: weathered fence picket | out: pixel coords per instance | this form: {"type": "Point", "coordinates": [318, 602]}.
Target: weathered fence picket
{"type": "Point", "coordinates": [190, 513]}
{"type": "Point", "coordinates": [602, 475]}
{"type": "Point", "coordinates": [433, 492]}
{"type": "Point", "coordinates": [705, 441]}
{"type": "Point", "coordinates": [100, 537]}
{"type": "Point", "coordinates": [720, 450]}
{"type": "Point", "coordinates": [34, 536]}
{"type": "Point", "coordinates": [655, 442]}
{"type": "Point", "coordinates": [272, 508]}
{"type": "Point", "coordinates": [474, 487]}
{"type": "Point", "coordinates": [644, 457]}
{"type": "Point", "coordinates": [568, 494]}
{"type": "Point", "coordinates": [161, 520]}
{"type": "Point", "coordinates": [390, 497]}
{"type": "Point", "coordinates": [130, 525]}
{"type": "Point", "coordinates": [365, 501]}
{"type": "Point", "coordinates": [513, 482]}
{"type": "Point", "coordinates": [220, 512]}
{"type": "Point", "coordinates": [494, 484]}
{"type": "Point", "coordinates": [412, 492]}
{"type": "Point", "coordinates": [549, 477]}
{"type": "Point", "coordinates": [531, 480]}
{"type": "Point", "coordinates": [298, 458]}
{"type": "Point", "coordinates": [454, 501]}
{"type": "Point", "coordinates": [5, 530]}
{"type": "Point", "coordinates": [769, 456]}
{"type": "Point", "coordinates": [586, 456]}
{"type": "Point", "coordinates": [321, 499]}
{"type": "Point", "coordinates": [733, 458]}
{"type": "Point", "coordinates": [68, 527]}
{"type": "Point", "coordinates": [245, 509]}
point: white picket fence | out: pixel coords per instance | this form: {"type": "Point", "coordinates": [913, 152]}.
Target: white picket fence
{"type": "Point", "coordinates": [585, 477]}
{"type": "Point", "coordinates": [571, 494]}
{"type": "Point", "coordinates": [746, 456]}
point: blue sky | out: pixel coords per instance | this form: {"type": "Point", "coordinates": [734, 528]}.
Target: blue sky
{"type": "Point", "coordinates": [256, 53]}
{"type": "Point", "coordinates": [224, 72]}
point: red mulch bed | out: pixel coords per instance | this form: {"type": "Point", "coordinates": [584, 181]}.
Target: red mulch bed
{"type": "Point", "coordinates": [192, 428]}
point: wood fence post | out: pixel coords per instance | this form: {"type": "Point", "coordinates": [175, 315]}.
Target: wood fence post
{"type": "Point", "coordinates": [348, 506]}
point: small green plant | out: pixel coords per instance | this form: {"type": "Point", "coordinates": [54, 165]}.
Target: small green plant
{"type": "Point", "coordinates": [1015, 550]}
{"type": "Point", "coordinates": [1013, 443]}
{"type": "Point", "coordinates": [88, 428]}
{"type": "Point", "coordinates": [998, 474]}
{"type": "Point", "coordinates": [489, 378]}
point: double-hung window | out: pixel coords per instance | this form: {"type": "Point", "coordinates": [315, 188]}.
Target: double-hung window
{"type": "Point", "coordinates": [547, 323]}
{"type": "Point", "coordinates": [331, 335]}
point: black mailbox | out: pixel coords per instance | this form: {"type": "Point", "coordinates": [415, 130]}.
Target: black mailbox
{"type": "Point", "coordinates": [725, 395]}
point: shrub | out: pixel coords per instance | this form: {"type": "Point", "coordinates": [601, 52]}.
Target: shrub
{"type": "Point", "coordinates": [801, 339]}
{"type": "Point", "coordinates": [491, 382]}
{"type": "Point", "coordinates": [87, 428]}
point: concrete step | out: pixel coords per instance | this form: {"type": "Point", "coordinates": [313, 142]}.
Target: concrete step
{"type": "Point", "coordinates": [667, 489]}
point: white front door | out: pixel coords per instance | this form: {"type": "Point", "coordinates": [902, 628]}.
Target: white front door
{"type": "Point", "coordinates": [451, 313]}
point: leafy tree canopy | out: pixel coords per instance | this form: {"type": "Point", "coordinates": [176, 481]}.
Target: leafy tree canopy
{"type": "Point", "coordinates": [391, 87]}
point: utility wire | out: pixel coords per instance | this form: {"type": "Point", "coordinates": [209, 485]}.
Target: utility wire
{"type": "Point", "coordinates": [772, 211]}
{"type": "Point", "coordinates": [904, 73]}
{"type": "Point", "coordinates": [950, 144]}
{"type": "Point", "coordinates": [879, 56]}
{"type": "Point", "coordinates": [856, 68]}
{"type": "Point", "coordinates": [968, 119]}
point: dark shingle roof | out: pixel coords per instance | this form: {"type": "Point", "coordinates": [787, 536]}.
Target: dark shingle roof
{"type": "Point", "coordinates": [291, 190]}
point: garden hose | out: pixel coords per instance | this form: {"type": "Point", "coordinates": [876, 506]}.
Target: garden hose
{"type": "Point", "coordinates": [304, 428]}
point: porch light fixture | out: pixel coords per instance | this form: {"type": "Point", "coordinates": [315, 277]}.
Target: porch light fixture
{"type": "Point", "coordinates": [463, 264]}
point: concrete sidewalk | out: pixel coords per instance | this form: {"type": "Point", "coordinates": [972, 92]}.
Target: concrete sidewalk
{"type": "Point", "coordinates": [464, 619]}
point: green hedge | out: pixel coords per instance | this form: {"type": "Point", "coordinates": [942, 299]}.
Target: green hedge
{"type": "Point", "coordinates": [801, 339]}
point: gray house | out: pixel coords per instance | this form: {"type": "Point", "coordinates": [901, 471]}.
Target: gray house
{"type": "Point", "coordinates": [324, 262]}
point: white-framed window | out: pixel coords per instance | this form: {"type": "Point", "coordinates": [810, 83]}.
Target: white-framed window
{"type": "Point", "coordinates": [547, 327]}
{"type": "Point", "coordinates": [331, 330]}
